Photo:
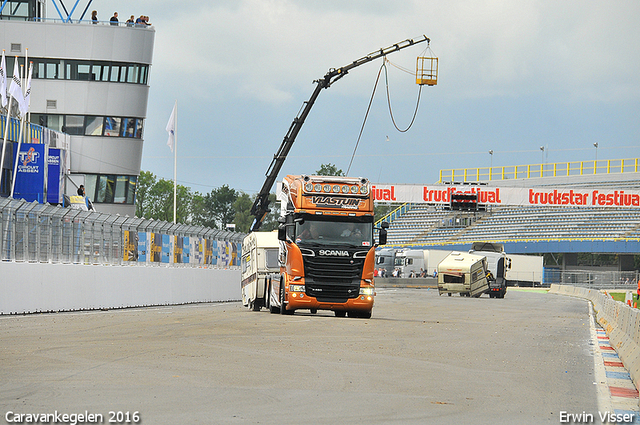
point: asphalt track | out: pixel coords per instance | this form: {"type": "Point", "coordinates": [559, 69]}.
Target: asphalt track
{"type": "Point", "coordinates": [421, 359]}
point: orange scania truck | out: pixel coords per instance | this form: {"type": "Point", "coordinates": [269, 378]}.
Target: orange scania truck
{"type": "Point", "coordinates": [327, 247]}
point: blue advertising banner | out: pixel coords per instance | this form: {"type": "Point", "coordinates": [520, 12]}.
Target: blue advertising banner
{"type": "Point", "coordinates": [166, 249]}
{"type": "Point", "coordinates": [32, 170]}
{"type": "Point", "coordinates": [142, 247]}
{"type": "Point", "coordinates": [55, 176]}
{"type": "Point", "coordinates": [186, 250]}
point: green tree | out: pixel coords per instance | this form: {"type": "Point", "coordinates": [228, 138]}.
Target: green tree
{"type": "Point", "coordinates": [219, 209]}
{"type": "Point", "coordinates": [381, 209]}
{"type": "Point", "coordinates": [154, 199]}
{"type": "Point", "coordinates": [270, 222]}
{"type": "Point", "coordinates": [198, 211]}
{"type": "Point", "coordinates": [160, 202]}
{"type": "Point", "coordinates": [329, 170]}
{"type": "Point", "coordinates": [243, 218]}
{"type": "Point", "coordinates": [146, 180]}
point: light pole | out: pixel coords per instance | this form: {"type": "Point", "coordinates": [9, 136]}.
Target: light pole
{"type": "Point", "coordinates": [595, 164]}
{"type": "Point", "coordinates": [491, 166]}
{"type": "Point", "coordinates": [542, 149]}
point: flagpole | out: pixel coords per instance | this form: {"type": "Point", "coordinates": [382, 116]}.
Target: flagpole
{"type": "Point", "coordinates": [4, 144]}
{"type": "Point", "coordinates": [175, 163]}
{"type": "Point", "coordinates": [15, 165]}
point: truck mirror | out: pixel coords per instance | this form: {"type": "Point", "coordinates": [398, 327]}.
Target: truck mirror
{"type": "Point", "coordinates": [382, 237]}
{"type": "Point", "coordinates": [384, 224]}
{"type": "Point", "coordinates": [282, 232]}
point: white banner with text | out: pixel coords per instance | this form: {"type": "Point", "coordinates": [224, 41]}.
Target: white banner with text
{"type": "Point", "coordinates": [488, 195]}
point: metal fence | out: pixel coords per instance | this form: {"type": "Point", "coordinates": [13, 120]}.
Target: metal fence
{"type": "Point", "coordinates": [33, 232]}
{"type": "Point", "coordinates": [590, 279]}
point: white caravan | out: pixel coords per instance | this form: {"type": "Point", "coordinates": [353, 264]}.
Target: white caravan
{"type": "Point", "coordinates": [259, 260]}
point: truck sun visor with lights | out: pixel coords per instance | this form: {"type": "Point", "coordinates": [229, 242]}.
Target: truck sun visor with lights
{"type": "Point", "coordinates": [360, 187]}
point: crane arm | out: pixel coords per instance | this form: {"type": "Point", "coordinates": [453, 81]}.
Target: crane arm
{"type": "Point", "coordinates": [260, 206]}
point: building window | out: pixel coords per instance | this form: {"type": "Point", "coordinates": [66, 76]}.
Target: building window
{"type": "Point", "coordinates": [131, 189]}
{"type": "Point", "coordinates": [91, 125]}
{"type": "Point", "coordinates": [128, 127]}
{"type": "Point", "coordinates": [86, 70]}
{"type": "Point", "coordinates": [94, 126]}
{"type": "Point", "coordinates": [73, 124]}
{"type": "Point", "coordinates": [105, 189]}
{"type": "Point", "coordinates": [112, 126]}
{"type": "Point", "coordinates": [111, 189]}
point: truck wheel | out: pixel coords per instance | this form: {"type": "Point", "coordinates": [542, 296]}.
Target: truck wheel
{"type": "Point", "coordinates": [363, 314]}
{"type": "Point", "coordinates": [254, 306]}
{"type": "Point", "coordinates": [340, 313]}
{"type": "Point", "coordinates": [314, 310]}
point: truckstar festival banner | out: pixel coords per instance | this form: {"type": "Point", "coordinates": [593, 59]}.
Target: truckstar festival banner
{"type": "Point", "coordinates": [565, 196]}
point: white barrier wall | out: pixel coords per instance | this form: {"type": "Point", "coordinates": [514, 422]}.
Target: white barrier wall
{"type": "Point", "coordinates": [621, 322]}
{"type": "Point", "coordinates": [38, 287]}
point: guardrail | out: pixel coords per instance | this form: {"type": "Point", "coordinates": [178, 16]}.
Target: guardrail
{"type": "Point", "coordinates": [557, 169]}
{"type": "Point", "coordinates": [42, 233]}
{"type": "Point", "coordinates": [620, 321]}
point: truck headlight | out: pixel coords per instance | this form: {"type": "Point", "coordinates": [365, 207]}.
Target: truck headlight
{"type": "Point", "coordinates": [366, 291]}
{"type": "Point", "coordinates": [296, 288]}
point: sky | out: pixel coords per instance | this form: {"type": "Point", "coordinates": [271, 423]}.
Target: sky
{"type": "Point", "coordinates": [513, 77]}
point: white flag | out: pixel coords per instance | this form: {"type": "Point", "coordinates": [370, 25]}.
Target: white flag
{"type": "Point", "coordinates": [3, 82]}
{"type": "Point", "coordinates": [171, 127]}
{"type": "Point", "coordinates": [15, 90]}
{"type": "Point", "coordinates": [27, 94]}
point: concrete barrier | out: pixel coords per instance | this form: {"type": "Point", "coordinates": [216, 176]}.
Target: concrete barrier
{"type": "Point", "coordinates": [406, 282]}
{"type": "Point", "coordinates": [621, 322]}
{"type": "Point", "coordinates": [41, 287]}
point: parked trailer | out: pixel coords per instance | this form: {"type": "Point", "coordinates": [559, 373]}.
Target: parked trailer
{"type": "Point", "coordinates": [526, 270]}
{"type": "Point", "coordinates": [418, 260]}
{"type": "Point", "coordinates": [463, 273]}
{"type": "Point", "coordinates": [385, 259]}
{"type": "Point", "coordinates": [259, 260]}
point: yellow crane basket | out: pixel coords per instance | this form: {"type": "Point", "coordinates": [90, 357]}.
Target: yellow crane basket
{"type": "Point", "coordinates": [427, 71]}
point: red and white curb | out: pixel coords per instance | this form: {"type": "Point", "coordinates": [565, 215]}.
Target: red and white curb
{"type": "Point", "coordinates": [616, 391]}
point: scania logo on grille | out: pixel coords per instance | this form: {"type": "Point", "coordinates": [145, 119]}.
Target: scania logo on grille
{"type": "Point", "coordinates": [333, 253]}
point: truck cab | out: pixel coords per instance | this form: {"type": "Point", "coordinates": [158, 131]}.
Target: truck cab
{"type": "Point", "coordinates": [327, 248]}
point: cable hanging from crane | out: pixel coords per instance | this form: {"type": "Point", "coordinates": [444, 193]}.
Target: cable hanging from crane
{"type": "Point", "coordinates": [426, 73]}
{"type": "Point", "coordinates": [415, 112]}
{"type": "Point", "coordinates": [375, 86]}
{"type": "Point", "coordinates": [366, 115]}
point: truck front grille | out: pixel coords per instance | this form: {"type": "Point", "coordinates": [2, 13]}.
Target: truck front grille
{"type": "Point", "coordinates": [333, 279]}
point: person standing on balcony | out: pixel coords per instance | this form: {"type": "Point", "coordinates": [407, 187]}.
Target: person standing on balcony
{"type": "Point", "coordinates": [94, 17]}
{"type": "Point", "coordinates": [114, 18]}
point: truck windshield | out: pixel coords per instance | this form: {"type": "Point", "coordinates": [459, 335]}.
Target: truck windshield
{"type": "Point", "coordinates": [319, 230]}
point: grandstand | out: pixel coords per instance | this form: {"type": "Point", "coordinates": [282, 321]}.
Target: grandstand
{"type": "Point", "coordinates": [528, 229]}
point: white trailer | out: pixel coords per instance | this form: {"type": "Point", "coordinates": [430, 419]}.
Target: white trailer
{"type": "Point", "coordinates": [259, 260]}
{"type": "Point", "coordinates": [417, 260]}
{"type": "Point", "coordinates": [385, 259]}
{"type": "Point", "coordinates": [526, 270]}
